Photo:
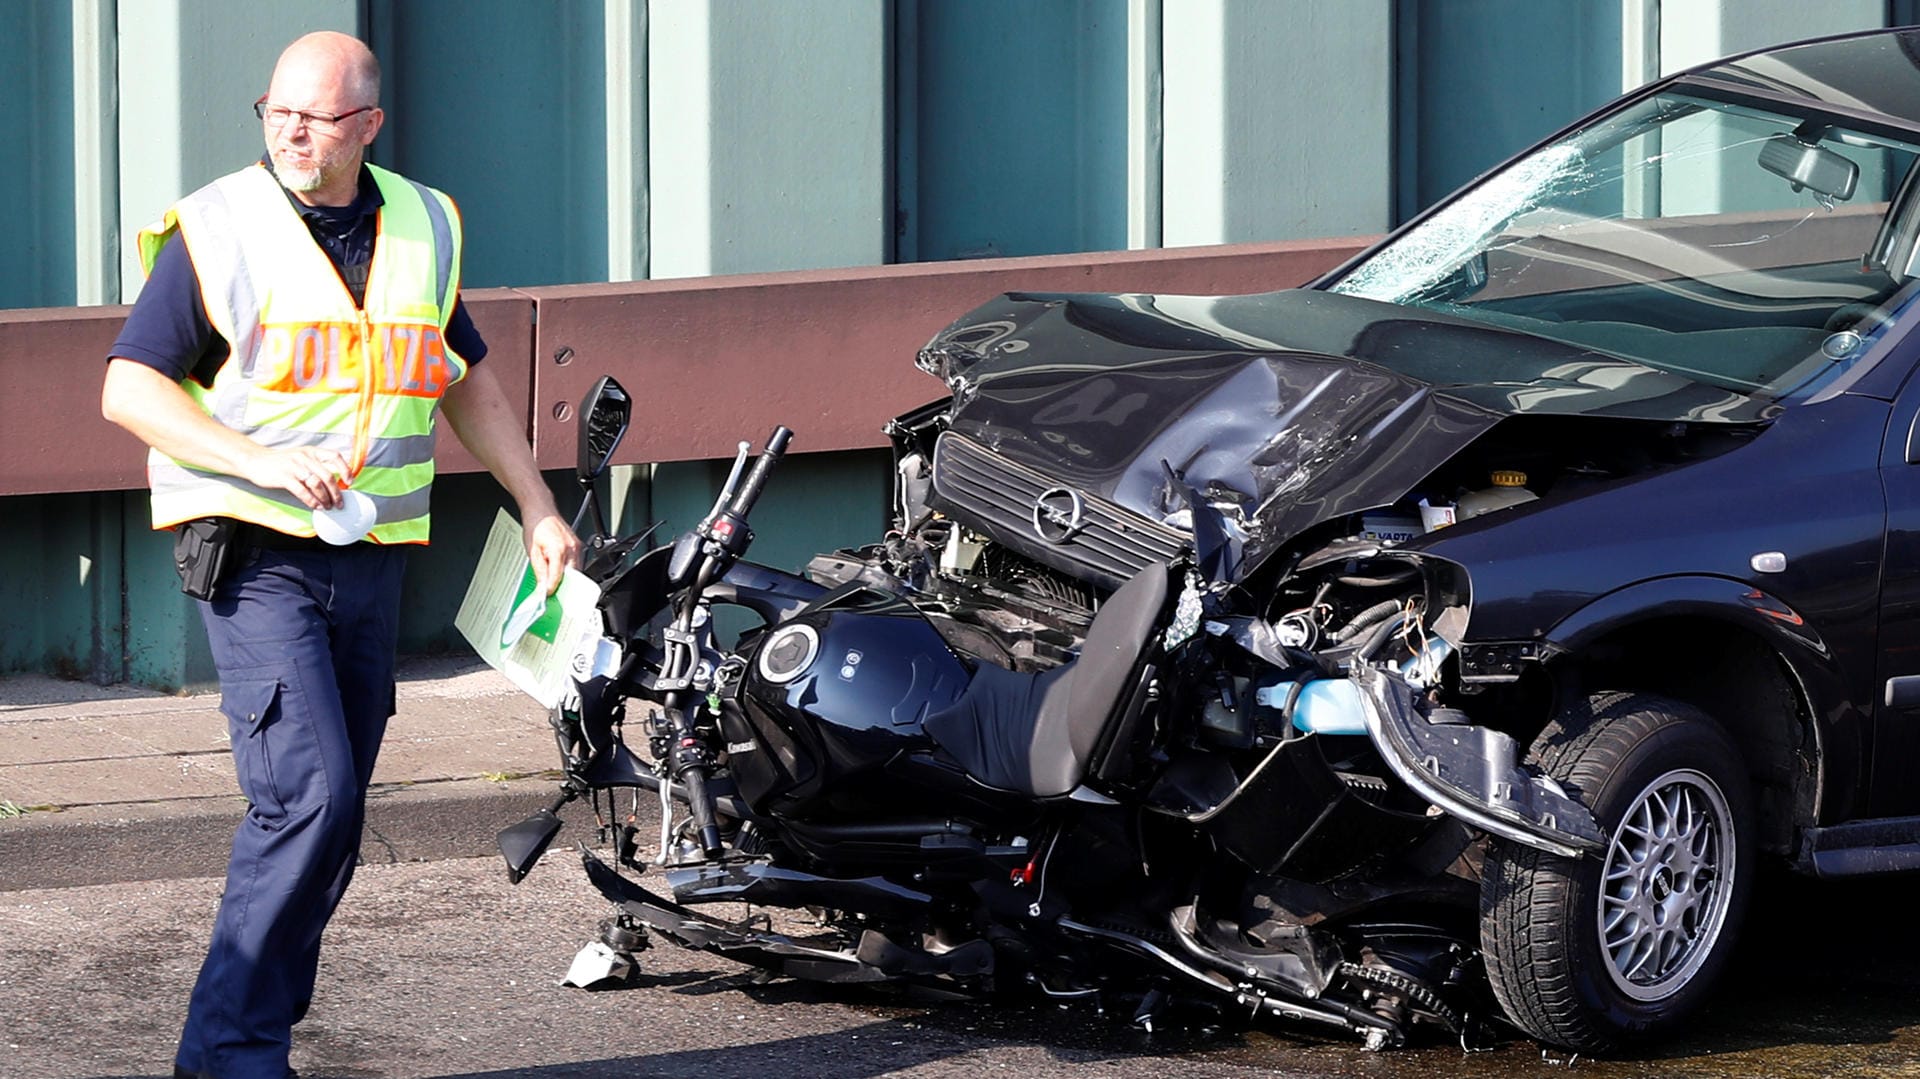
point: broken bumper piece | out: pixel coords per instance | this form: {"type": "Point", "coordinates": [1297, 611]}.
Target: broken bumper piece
{"type": "Point", "coordinates": [1472, 772]}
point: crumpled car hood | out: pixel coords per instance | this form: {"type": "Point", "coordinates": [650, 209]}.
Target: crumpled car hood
{"type": "Point", "coordinates": [1282, 409]}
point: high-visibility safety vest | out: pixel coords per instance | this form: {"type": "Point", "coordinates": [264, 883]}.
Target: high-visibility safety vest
{"type": "Point", "coordinates": [308, 368]}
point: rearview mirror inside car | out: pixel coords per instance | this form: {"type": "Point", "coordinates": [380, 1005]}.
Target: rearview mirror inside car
{"type": "Point", "coordinates": [1808, 166]}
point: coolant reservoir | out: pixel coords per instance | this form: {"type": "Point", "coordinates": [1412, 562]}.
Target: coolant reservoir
{"type": "Point", "coordinates": [1324, 706]}
{"type": "Point", "coordinates": [1509, 489]}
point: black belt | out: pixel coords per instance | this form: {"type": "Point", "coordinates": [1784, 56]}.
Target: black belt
{"type": "Point", "coordinates": [260, 537]}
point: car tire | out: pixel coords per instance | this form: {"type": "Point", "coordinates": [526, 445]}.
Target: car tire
{"type": "Point", "coordinates": [1590, 953]}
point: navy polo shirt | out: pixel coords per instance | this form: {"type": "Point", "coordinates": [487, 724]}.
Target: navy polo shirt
{"type": "Point", "coordinates": [168, 329]}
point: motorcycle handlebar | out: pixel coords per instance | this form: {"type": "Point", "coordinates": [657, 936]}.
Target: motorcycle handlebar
{"type": "Point", "coordinates": [701, 803]}
{"type": "Point", "coordinates": [756, 479]}
{"type": "Point", "coordinates": [688, 763]}
{"type": "Point", "coordinates": [724, 536]}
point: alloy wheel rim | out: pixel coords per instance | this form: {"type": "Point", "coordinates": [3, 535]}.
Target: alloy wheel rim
{"type": "Point", "coordinates": [1666, 885]}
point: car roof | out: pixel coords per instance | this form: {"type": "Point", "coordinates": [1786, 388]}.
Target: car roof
{"type": "Point", "coordinates": [1871, 75]}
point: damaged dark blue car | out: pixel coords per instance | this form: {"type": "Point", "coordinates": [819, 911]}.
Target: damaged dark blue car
{"type": "Point", "coordinates": [1447, 641]}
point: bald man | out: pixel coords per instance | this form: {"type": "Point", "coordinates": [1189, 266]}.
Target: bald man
{"type": "Point", "coordinates": [299, 331]}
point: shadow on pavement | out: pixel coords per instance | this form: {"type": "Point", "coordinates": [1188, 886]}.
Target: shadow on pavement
{"type": "Point", "coordinates": [880, 1048]}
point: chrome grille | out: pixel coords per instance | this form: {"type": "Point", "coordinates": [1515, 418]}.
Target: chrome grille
{"type": "Point", "coordinates": [996, 496]}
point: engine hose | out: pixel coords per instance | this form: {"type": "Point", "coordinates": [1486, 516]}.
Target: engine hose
{"type": "Point", "coordinates": [1379, 637]}
{"type": "Point", "coordinates": [1366, 618]}
{"type": "Point", "coordinates": [1401, 577]}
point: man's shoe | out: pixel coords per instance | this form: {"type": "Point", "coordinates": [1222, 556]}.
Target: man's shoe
{"type": "Point", "coordinates": [182, 1073]}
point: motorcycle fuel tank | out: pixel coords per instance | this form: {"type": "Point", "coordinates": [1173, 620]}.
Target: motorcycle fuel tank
{"type": "Point", "coordinates": [842, 688]}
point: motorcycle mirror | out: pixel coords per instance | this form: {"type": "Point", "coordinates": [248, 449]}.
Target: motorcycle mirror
{"type": "Point", "coordinates": [604, 415]}
{"type": "Point", "coordinates": [522, 844]}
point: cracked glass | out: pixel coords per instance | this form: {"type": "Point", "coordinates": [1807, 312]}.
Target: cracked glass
{"type": "Point", "coordinates": [1739, 247]}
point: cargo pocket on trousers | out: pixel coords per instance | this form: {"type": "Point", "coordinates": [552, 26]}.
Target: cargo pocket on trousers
{"type": "Point", "coordinates": [251, 708]}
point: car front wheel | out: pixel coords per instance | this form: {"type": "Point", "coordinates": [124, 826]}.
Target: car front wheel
{"type": "Point", "coordinates": [1593, 952]}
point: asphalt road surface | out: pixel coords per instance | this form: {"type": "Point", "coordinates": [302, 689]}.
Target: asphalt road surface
{"type": "Point", "coordinates": [442, 969]}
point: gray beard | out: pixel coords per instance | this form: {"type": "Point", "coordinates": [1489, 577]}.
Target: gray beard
{"type": "Point", "coordinates": [301, 180]}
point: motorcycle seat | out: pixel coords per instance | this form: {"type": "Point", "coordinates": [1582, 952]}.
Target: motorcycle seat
{"type": "Point", "coordinates": [1037, 732]}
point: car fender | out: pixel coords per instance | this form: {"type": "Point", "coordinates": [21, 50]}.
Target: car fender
{"type": "Point", "coordinates": [1811, 664]}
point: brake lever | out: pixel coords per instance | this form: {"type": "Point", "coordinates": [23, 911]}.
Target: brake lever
{"type": "Point", "coordinates": [733, 481]}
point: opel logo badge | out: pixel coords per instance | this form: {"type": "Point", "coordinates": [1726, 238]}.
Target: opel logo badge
{"type": "Point", "coordinates": [1058, 514]}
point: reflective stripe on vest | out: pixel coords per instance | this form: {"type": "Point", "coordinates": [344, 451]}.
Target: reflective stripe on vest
{"type": "Point", "coordinates": [308, 368]}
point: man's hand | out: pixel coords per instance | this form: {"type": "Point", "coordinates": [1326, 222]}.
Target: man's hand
{"type": "Point", "coordinates": [552, 548]}
{"type": "Point", "coordinates": [315, 476]}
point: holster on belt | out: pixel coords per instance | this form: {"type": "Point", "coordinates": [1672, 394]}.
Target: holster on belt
{"type": "Point", "coordinates": [205, 551]}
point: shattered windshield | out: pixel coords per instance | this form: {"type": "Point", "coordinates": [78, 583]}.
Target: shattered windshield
{"type": "Point", "coordinates": [1741, 248]}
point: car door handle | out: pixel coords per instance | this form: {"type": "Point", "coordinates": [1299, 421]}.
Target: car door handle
{"type": "Point", "coordinates": [1903, 693]}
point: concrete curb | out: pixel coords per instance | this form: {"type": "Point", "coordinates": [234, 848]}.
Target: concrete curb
{"type": "Point", "coordinates": [127, 785]}
{"type": "Point", "coordinates": [177, 838]}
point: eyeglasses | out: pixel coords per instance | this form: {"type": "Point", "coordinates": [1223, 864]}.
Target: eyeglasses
{"type": "Point", "coordinates": [281, 116]}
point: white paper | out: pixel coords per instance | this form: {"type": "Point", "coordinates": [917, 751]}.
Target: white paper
{"type": "Point", "coordinates": [534, 644]}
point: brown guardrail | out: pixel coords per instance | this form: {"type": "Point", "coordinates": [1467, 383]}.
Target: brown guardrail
{"type": "Point", "coordinates": [709, 360]}
{"type": "Point", "coordinates": [53, 438]}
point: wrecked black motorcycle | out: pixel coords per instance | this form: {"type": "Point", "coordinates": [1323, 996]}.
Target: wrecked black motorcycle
{"type": "Point", "coordinates": [1151, 794]}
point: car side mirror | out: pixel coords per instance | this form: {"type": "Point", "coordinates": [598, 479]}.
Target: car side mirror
{"type": "Point", "coordinates": [1809, 166]}
{"type": "Point", "coordinates": [604, 415]}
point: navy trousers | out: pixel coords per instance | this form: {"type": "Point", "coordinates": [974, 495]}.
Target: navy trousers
{"type": "Point", "coordinates": [304, 642]}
